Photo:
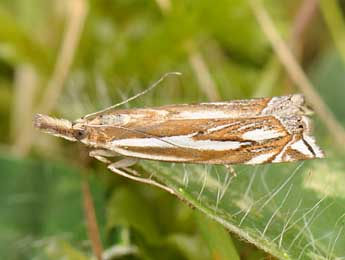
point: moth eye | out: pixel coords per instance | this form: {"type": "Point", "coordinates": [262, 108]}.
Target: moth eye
{"type": "Point", "coordinates": [80, 134]}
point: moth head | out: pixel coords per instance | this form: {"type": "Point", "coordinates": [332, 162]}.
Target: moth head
{"type": "Point", "coordinates": [54, 126]}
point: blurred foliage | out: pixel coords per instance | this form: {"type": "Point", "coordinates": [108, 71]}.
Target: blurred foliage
{"type": "Point", "coordinates": [123, 47]}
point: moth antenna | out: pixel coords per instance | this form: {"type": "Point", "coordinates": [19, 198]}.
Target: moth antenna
{"type": "Point", "coordinates": [135, 96]}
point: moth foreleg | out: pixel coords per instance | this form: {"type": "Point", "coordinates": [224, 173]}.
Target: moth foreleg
{"type": "Point", "coordinates": [120, 168]}
{"type": "Point", "coordinates": [123, 163]}
{"type": "Point", "coordinates": [101, 154]}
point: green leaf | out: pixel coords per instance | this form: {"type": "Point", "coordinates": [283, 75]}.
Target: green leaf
{"type": "Point", "coordinates": [191, 246]}
{"type": "Point", "coordinates": [217, 238]}
{"type": "Point", "coordinates": [126, 208]}
{"type": "Point", "coordinates": [60, 249]}
{"type": "Point", "coordinates": [40, 200]}
{"type": "Point", "coordinates": [292, 211]}
{"type": "Point", "coordinates": [138, 222]}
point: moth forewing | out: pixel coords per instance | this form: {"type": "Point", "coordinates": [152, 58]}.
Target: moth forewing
{"type": "Point", "coordinates": [253, 131]}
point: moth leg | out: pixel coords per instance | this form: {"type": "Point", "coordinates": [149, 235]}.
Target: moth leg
{"type": "Point", "coordinates": [118, 168]}
{"type": "Point", "coordinates": [100, 155]}
{"type": "Point", "coordinates": [230, 169]}
{"type": "Point", "coordinates": [123, 163]}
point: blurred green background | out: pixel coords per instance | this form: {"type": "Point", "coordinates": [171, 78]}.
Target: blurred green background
{"type": "Point", "coordinates": [67, 58]}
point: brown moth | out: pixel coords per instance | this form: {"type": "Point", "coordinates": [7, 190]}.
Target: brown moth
{"type": "Point", "coordinates": [252, 131]}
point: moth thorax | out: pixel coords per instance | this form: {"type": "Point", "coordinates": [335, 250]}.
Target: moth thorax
{"type": "Point", "coordinates": [117, 119]}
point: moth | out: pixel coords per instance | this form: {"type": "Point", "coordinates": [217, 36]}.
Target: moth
{"type": "Point", "coordinates": [251, 131]}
